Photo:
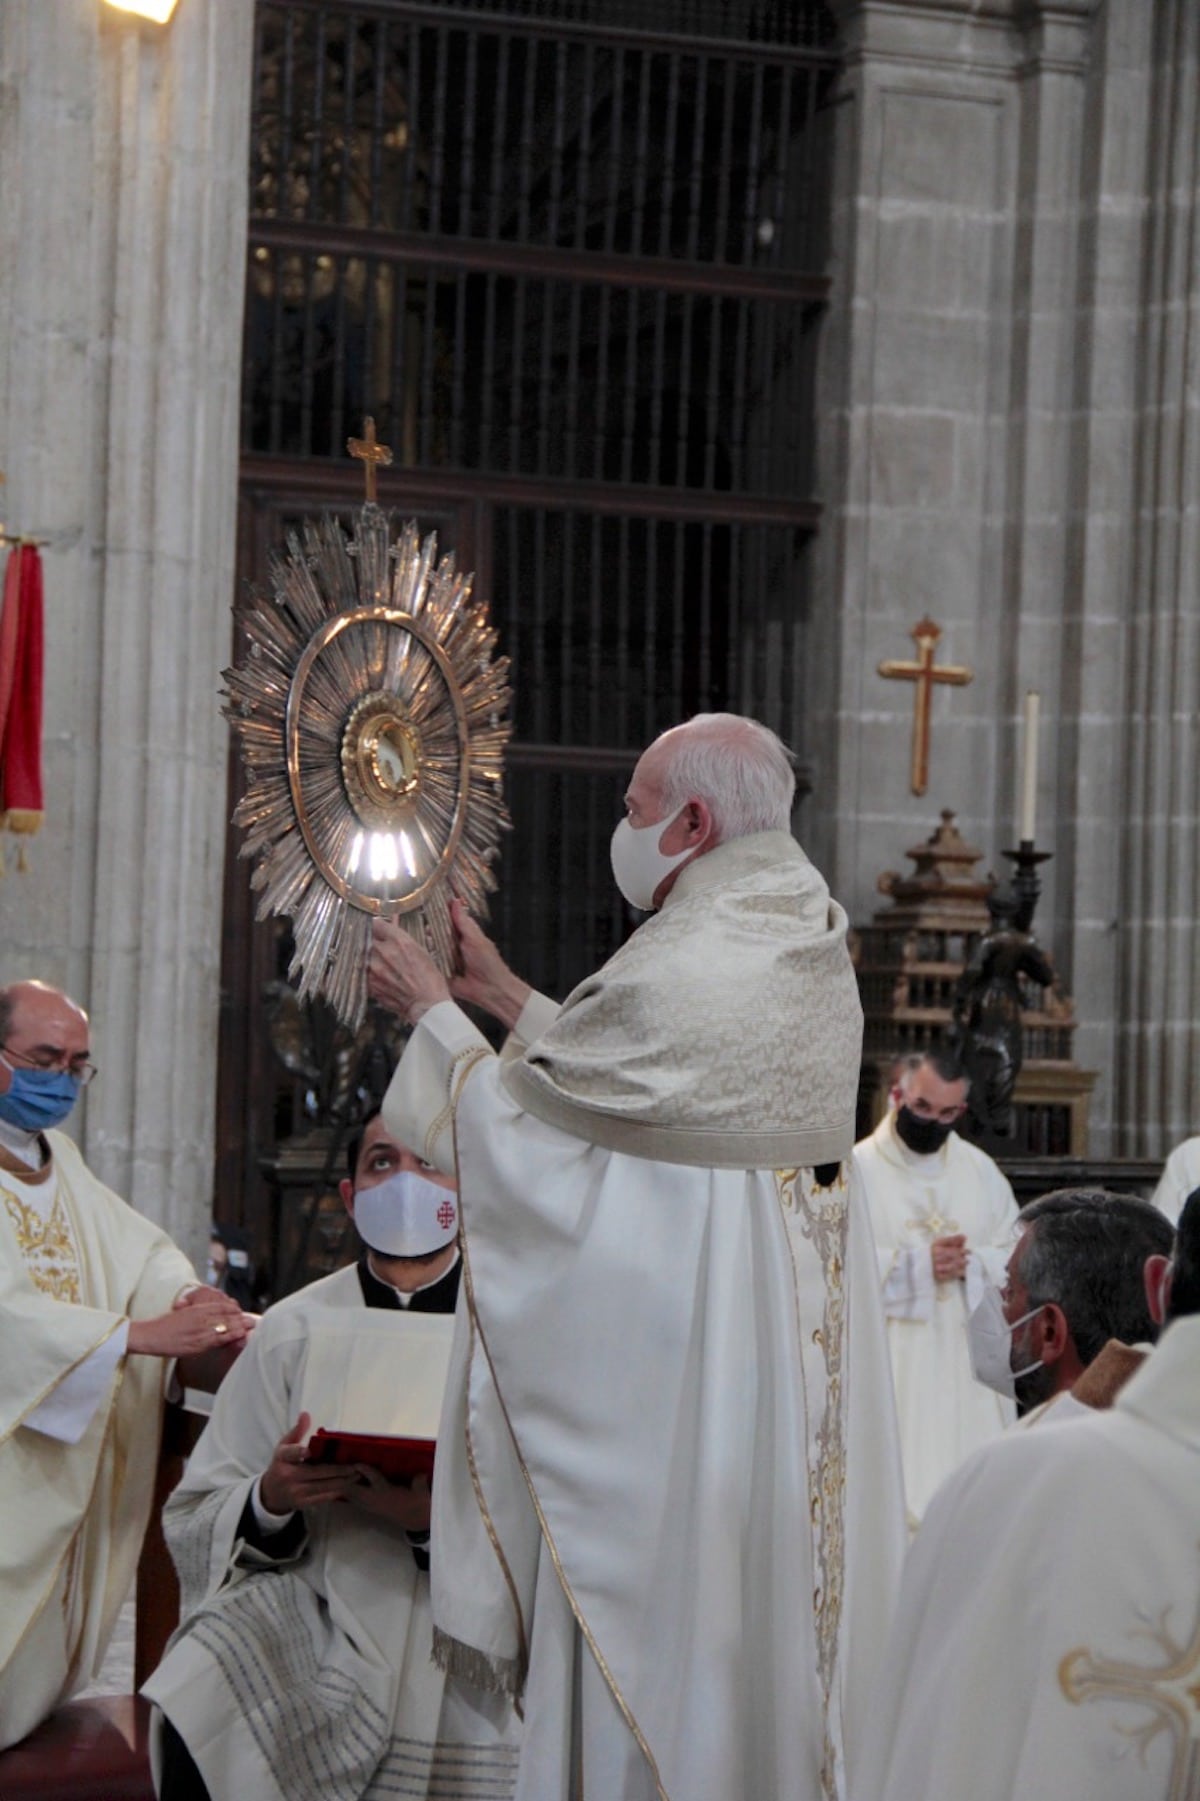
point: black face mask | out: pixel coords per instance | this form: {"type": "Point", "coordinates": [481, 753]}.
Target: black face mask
{"type": "Point", "coordinates": [924, 1136]}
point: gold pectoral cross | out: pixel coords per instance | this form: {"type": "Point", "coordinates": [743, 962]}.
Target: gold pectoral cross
{"type": "Point", "coordinates": [370, 453]}
{"type": "Point", "coordinates": [932, 1224]}
{"type": "Point", "coordinates": [924, 672]}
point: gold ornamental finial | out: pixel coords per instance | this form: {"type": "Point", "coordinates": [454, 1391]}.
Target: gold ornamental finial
{"type": "Point", "coordinates": [370, 453]}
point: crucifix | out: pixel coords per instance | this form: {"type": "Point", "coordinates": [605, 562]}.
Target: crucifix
{"type": "Point", "coordinates": [924, 672]}
{"type": "Point", "coordinates": [370, 453]}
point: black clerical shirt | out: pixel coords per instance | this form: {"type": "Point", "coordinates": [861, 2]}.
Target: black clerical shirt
{"type": "Point", "coordinates": [440, 1297]}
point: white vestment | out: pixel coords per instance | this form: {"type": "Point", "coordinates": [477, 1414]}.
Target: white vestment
{"type": "Point", "coordinates": [668, 1463]}
{"type": "Point", "coordinates": [310, 1678]}
{"type": "Point", "coordinates": [1048, 1638]}
{"type": "Point", "coordinates": [1181, 1174]}
{"type": "Point", "coordinates": [944, 1412]}
{"type": "Point", "coordinates": [79, 1427]}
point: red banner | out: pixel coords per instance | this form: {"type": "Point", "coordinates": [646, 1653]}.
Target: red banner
{"type": "Point", "coordinates": [22, 655]}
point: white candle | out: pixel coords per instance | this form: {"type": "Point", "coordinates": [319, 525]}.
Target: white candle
{"type": "Point", "coordinates": [1029, 746]}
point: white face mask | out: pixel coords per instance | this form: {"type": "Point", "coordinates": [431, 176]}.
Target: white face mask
{"type": "Point", "coordinates": [989, 1338]}
{"type": "Point", "coordinates": [637, 863]}
{"type": "Point", "coordinates": [406, 1215]}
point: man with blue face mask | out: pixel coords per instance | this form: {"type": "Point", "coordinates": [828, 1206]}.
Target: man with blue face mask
{"type": "Point", "coordinates": [323, 1568]}
{"type": "Point", "coordinates": [97, 1302]}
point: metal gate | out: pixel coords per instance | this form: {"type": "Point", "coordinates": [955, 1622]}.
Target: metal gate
{"type": "Point", "coordinates": [569, 255]}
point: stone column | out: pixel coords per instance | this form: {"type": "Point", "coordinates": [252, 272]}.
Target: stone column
{"type": "Point", "coordinates": [123, 159]}
{"type": "Point", "coordinates": [1154, 59]}
{"type": "Point", "coordinates": [915, 378]}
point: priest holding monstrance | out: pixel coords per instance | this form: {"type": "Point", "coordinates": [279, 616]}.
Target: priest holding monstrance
{"type": "Point", "coordinates": [667, 1508]}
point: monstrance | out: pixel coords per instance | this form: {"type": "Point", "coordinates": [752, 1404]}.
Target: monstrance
{"type": "Point", "coordinates": [371, 710]}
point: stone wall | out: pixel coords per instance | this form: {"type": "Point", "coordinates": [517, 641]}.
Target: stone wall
{"type": "Point", "coordinates": [123, 156]}
{"type": "Point", "coordinates": [1009, 440]}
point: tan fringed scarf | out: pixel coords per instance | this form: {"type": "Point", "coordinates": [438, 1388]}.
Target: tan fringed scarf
{"type": "Point", "coordinates": [725, 1034]}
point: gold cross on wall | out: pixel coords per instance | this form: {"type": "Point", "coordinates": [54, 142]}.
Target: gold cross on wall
{"type": "Point", "coordinates": [924, 672]}
{"type": "Point", "coordinates": [369, 453]}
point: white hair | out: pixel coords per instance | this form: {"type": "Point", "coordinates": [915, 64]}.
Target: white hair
{"type": "Point", "coordinates": [739, 768]}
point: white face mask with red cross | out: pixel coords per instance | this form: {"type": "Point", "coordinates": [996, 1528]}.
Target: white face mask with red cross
{"type": "Point", "coordinates": [406, 1215]}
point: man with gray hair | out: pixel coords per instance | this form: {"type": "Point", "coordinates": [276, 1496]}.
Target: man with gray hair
{"type": "Point", "coordinates": [1047, 1640]}
{"type": "Point", "coordinates": [1074, 1299]}
{"type": "Point", "coordinates": [944, 1219]}
{"type": "Point", "coordinates": [668, 1510]}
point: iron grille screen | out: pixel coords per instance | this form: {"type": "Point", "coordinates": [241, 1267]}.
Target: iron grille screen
{"type": "Point", "coordinates": [570, 255]}
{"type": "Point", "coordinates": [533, 254]}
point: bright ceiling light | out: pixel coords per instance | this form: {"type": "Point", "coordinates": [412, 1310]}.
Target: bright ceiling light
{"type": "Point", "coordinates": [158, 10]}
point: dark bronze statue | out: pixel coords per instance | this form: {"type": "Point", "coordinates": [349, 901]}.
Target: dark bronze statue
{"type": "Point", "coordinates": [987, 1010]}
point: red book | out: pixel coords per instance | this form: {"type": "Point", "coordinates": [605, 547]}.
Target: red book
{"type": "Point", "coordinates": [399, 1459]}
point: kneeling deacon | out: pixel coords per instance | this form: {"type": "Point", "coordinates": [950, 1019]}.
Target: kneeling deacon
{"type": "Point", "coordinates": [302, 1665]}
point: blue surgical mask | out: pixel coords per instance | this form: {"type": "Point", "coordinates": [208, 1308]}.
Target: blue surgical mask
{"type": "Point", "coordinates": [38, 1099]}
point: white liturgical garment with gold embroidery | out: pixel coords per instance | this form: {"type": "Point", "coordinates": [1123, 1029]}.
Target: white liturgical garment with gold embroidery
{"type": "Point", "coordinates": [667, 1504]}
{"type": "Point", "coordinates": [944, 1412]}
{"type": "Point", "coordinates": [1048, 1638]}
{"type": "Point", "coordinates": [305, 1674]}
{"type": "Point", "coordinates": [79, 1422]}
{"type": "Point", "coordinates": [1181, 1174]}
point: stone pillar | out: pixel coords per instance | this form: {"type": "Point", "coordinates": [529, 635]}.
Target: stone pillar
{"type": "Point", "coordinates": [952, 377]}
{"type": "Point", "coordinates": [123, 159]}
{"type": "Point", "coordinates": [1154, 80]}
{"type": "Point", "coordinates": [915, 378]}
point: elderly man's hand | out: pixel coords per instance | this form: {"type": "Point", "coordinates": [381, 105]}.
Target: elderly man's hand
{"type": "Point", "coordinates": [204, 1326]}
{"type": "Point", "coordinates": [202, 1295]}
{"type": "Point", "coordinates": [484, 977]}
{"type": "Point", "coordinates": [401, 975]}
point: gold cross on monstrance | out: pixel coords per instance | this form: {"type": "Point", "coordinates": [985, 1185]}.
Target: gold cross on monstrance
{"type": "Point", "coordinates": [924, 672]}
{"type": "Point", "coordinates": [369, 452]}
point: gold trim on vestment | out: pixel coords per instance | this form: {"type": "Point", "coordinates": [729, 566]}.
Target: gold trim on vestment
{"type": "Point", "coordinates": [63, 1196]}
{"type": "Point", "coordinates": [477, 1485]}
{"type": "Point", "coordinates": [47, 1246]}
{"type": "Point", "coordinates": [464, 1061]}
{"type": "Point", "coordinates": [72, 1543]}
{"type": "Point", "coordinates": [825, 1222]}
{"type": "Point", "coordinates": [71, 1549]}
{"type": "Point", "coordinates": [585, 1629]}
{"type": "Point", "coordinates": [51, 1386]}
{"type": "Point", "coordinates": [1171, 1692]}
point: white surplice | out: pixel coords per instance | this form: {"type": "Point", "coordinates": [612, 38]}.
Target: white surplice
{"type": "Point", "coordinates": [311, 1678]}
{"type": "Point", "coordinates": [1048, 1638]}
{"type": "Point", "coordinates": [79, 1421]}
{"type": "Point", "coordinates": [944, 1412]}
{"type": "Point", "coordinates": [1181, 1175]}
{"type": "Point", "coordinates": [668, 1464]}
